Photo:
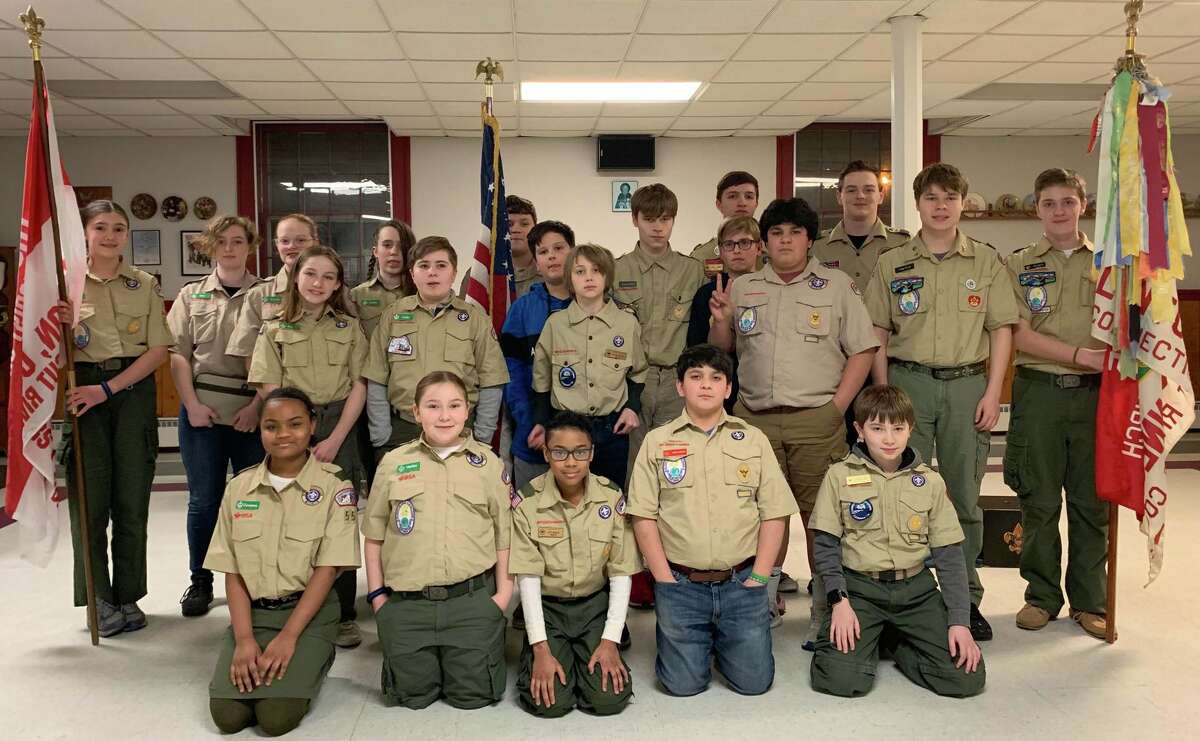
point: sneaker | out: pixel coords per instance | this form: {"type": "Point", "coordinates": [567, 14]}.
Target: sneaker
{"type": "Point", "coordinates": [109, 617]}
{"type": "Point", "coordinates": [1032, 617]}
{"type": "Point", "coordinates": [1093, 624]}
{"type": "Point", "coordinates": [196, 599]}
{"type": "Point", "coordinates": [787, 584]}
{"type": "Point", "coordinates": [981, 629]}
{"type": "Point", "coordinates": [135, 619]}
{"type": "Point", "coordinates": [626, 639]}
{"type": "Point", "coordinates": [776, 618]}
{"type": "Point", "coordinates": [348, 635]}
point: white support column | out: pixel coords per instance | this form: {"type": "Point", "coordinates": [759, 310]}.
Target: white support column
{"type": "Point", "coordinates": [907, 117]}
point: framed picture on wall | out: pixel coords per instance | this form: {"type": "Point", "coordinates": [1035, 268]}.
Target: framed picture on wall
{"type": "Point", "coordinates": [622, 195]}
{"type": "Point", "coordinates": [191, 260]}
{"type": "Point", "coordinates": [147, 246]}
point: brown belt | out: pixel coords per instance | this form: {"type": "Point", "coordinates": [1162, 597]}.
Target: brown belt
{"type": "Point", "coordinates": [710, 576]}
{"type": "Point", "coordinates": [944, 374]}
{"type": "Point", "coordinates": [890, 576]}
{"type": "Point", "coordinates": [1060, 380]}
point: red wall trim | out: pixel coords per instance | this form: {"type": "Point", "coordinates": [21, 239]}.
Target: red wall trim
{"type": "Point", "coordinates": [785, 166]}
{"type": "Point", "coordinates": [246, 206]}
{"type": "Point", "coordinates": [931, 146]}
{"type": "Point", "coordinates": [401, 155]}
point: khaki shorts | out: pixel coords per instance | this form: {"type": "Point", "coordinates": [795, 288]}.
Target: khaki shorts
{"type": "Point", "coordinates": [806, 442]}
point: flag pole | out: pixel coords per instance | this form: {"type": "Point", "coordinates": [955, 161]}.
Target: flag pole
{"type": "Point", "coordinates": [491, 69]}
{"type": "Point", "coordinates": [33, 28]}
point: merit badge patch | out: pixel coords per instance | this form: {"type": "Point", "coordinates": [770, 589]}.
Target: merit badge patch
{"type": "Point", "coordinates": [341, 324]}
{"type": "Point", "coordinates": [605, 512]}
{"type": "Point", "coordinates": [475, 459]}
{"type": "Point", "coordinates": [618, 341]}
{"type": "Point", "coordinates": [738, 435]}
{"type": "Point", "coordinates": [400, 346]}
{"type": "Point", "coordinates": [566, 377]}
{"type": "Point", "coordinates": [674, 470]}
{"type": "Point", "coordinates": [463, 316]}
{"type": "Point", "coordinates": [132, 284]}
{"type": "Point", "coordinates": [406, 517]}
{"type": "Point", "coordinates": [918, 480]}
{"type": "Point", "coordinates": [83, 336]}
{"type": "Point", "coordinates": [747, 320]}
{"type": "Point", "coordinates": [621, 503]}
{"type": "Point", "coordinates": [974, 300]}
{"type": "Point", "coordinates": [346, 498]}
{"type": "Point", "coordinates": [860, 511]}
{"type": "Point", "coordinates": [312, 496]}
{"type": "Point", "coordinates": [814, 319]}
{"type": "Point", "coordinates": [817, 283]}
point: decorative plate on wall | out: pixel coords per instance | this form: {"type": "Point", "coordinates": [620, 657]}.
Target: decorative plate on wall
{"type": "Point", "coordinates": [204, 208]}
{"type": "Point", "coordinates": [144, 206]}
{"type": "Point", "coordinates": [974, 205]}
{"type": "Point", "coordinates": [1029, 204]}
{"type": "Point", "coordinates": [174, 208]}
{"type": "Point", "coordinates": [1008, 203]}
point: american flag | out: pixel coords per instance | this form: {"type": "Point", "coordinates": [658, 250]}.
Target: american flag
{"type": "Point", "coordinates": [491, 285]}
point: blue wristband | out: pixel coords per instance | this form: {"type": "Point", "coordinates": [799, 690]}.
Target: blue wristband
{"type": "Point", "coordinates": [377, 592]}
{"type": "Point", "coordinates": [108, 392]}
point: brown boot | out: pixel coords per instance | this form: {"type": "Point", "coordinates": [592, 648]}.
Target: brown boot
{"type": "Point", "coordinates": [1094, 625]}
{"type": "Point", "coordinates": [1032, 617]}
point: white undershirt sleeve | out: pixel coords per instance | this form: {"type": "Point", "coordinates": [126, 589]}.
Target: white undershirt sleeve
{"type": "Point", "coordinates": [531, 602]}
{"type": "Point", "coordinates": [619, 588]}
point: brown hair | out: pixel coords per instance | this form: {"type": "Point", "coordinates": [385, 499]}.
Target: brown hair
{"type": "Point", "coordinates": [596, 255]}
{"type": "Point", "coordinates": [407, 240]}
{"type": "Point", "coordinates": [95, 208]}
{"type": "Point", "coordinates": [737, 177]}
{"type": "Point", "coordinates": [888, 404]}
{"type": "Point", "coordinates": [943, 175]}
{"type": "Point", "coordinates": [860, 166]}
{"type": "Point", "coordinates": [737, 225]}
{"type": "Point", "coordinates": [516, 205]}
{"type": "Point", "coordinates": [427, 246]}
{"type": "Point", "coordinates": [206, 243]}
{"type": "Point", "coordinates": [653, 201]}
{"type": "Point", "coordinates": [434, 378]}
{"type": "Point", "coordinates": [1060, 176]}
{"type": "Point", "coordinates": [303, 219]}
{"type": "Point", "coordinates": [293, 305]}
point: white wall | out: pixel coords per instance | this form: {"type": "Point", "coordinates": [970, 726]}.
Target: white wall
{"type": "Point", "coordinates": [189, 167]}
{"type": "Point", "coordinates": [560, 177]}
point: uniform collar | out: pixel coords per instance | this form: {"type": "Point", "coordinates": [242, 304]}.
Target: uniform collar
{"type": "Point", "coordinates": [1042, 246]}
{"type": "Point", "coordinates": [212, 282]}
{"type": "Point", "coordinates": [279, 282]}
{"type": "Point", "coordinates": [860, 457]}
{"type": "Point", "coordinates": [838, 234]}
{"type": "Point", "coordinates": [549, 495]}
{"type": "Point", "coordinates": [607, 314]}
{"type": "Point", "coordinates": [469, 445]}
{"type": "Point", "coordinates": [375, 281]}
{"type": "Point", "coordinates": [814, 267]}
{"type": "Point", "coordinates": [646, 261]}
{"type": "Point", "coordinates": [963, 245]}
{"type": "Point", "coordinates": [306, 478]}
{"type": "Point", "coordinates": [124, 270]}
{"type": "Point", "coordinates": [684, 420]}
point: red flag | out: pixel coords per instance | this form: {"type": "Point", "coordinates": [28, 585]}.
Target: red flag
{"type": "Point", "coordinates": [1119, 475]}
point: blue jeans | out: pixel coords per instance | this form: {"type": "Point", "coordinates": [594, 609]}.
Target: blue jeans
{"type": "Point", "coordinates": [207, 453]}
{"type": "Point", "coordinates": [697, 620]}
{"type": "Point", "coordinates": [610, 456]}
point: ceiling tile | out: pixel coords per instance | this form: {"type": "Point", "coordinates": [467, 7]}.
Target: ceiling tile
{"type": "Point", "coordinates": [968, 131]}
{"type": "Point", "coordinates": [257, 91]}
{"type": "Point", "coordinates": [1044, 131]}
{"type": "Point", "coordinates": [470, 91]}
{"type": "Point", "coordinates": [85, 122]}
{"type": "Point", "coordinates": [555, 16]}
{"type": "Point", "coordinates": [563, 71]}
{"type": "Point", "coordinates": [703, 16]}
{"type": "Point", "coordinates": [764, 133]}
{"type": "Point", "coordinates": [1054, 72]}
{"type": "Point", "coordinates": [449, 46]}
{"type": "Point", "coordinates": [16, 89]}
{"type": "Point", "coordinates": [1106, 49]}
{"type": "Point", "coordinates": [805, 16]}
{"type": "Point", "coordinates": [55, 69]}
{"type": "Point", "coordinates": [413, 122]}
{"type": "Point", "coordinates": [1007, 48]}
{"type": "Point", "coordinates": [1035, 113]}
{"type": "Point", "coordinates": [855, 72]}
{"type": "Point", "coordinates": [536, 47]}
{"type": "Point", "coordinates": [668, 71]}
{"type": "Point", "coordinates": [644, 109]}
{"type": "Point", "coordinates": [21, 107]}
{"type": "Point", "coordinates": [471, 108]}
{"type": "Point", "coordinates": [634, 124]}
{"type": "Point", "coordinates": [461, 71]}
{"type": "Point", "coordinates": [793, 72]}
{"type": "Point", "coordinates": [468, 133]}
{"type": "Point", "coordinates": [211, 15]}
{"type": "Point", "coordinates": [704, 108]}
{"type": "Point", "coordinates": [682, 133]}
{"type": "Point", "coordinates": [377, 90]}
{"type": "Point", "coordinates": [836, 90]}
{"type": "Point", "coordinates": [877, 47]}
{"type": "Point", "coordinates": [448, 16]}
{"type": "Point", "coordinates": [878, 106]}
{"type": "Point", "coordinates": [976, 72]}
{"type": "Point", "coordinates": [969, 16]}
{"type": "Point", "coordinates": [1050, 18]}
{"type": "Point", "coordinates": [151, 69]}
{"type": "Point", "coordinates": [71, 14]}
{"type": "Point", "coordinates": [180, 132]}
{"type": "Point", "coordinates": [223, 125]}
{"type": "Point", "coordinates": [1171, 73]}
{"type": "Point", "coordinates": [157, 122]}
{"type": "Point", "coordinates": [552, 109]}
{"type": "Point", "coordinates": [348, 15]}
{"type": "Point", "coordinates": [956, 108]}
{"type": "Point", "coordinates": [463, 123]}
{"type": "Point", "coordinates": [667, 48]}
{"type": "Point", "coordinates": [126, 107]}
{"type": "Point", "coordinates": [940, 92]}
{"type": "Point", "coordinates": [808, 108]}
{"type": "Point", "coordinates": [256, 70]}
{"type": "Point", "coordinates": [207, 45]}
{"type": "Point", "coordinates": [342, 45]}
{"type": "Point", "coordinates": [765, 47]}
{"type": "Point", "coordinates": [792, 123]}
{"type": "Point", "coordinates": [531, 123]}
{"type": "Point", "coordinates": [1164, 20]}
{"type": "Point", "coordinates": [339, 70]}
{"type": "Point", "coordinates": [217, 107]}
{"type": "Point", "coordinates": [569, 134]}
{"type": "Point", "coordinates": [417, 132]}
{"type": "Point", "coordinates": [14, 123]}
{"type": "Point", "coordinates": [745, 91]}
{"type": "Point", "coordinates": [304, 107]}
{"type": "Point", "coordinates": [102, 132]}
{"type": "Point", "coordinates": [694, 123]}
{"type": "Point", "coordinates": [389, 107]}
{"type": "Point", "coordinates": [125, 44]}
{"type": "Point", "coordinates": [14, 43]}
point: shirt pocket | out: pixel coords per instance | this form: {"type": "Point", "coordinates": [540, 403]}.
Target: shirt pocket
{"type": "Point", "coordinates": [337, 345]}
{"type": "Point", "coordinates": [1087, 290]}
{"type": "Point", "coordinates": [860, 509]}
{"type": "Point", "coordinates": [132, 312]}
{"type": "Point", "coordinates": [247, 545]}
{"type": "Point", "coordinates": [600, 539]}
{"type": "Point", "coordinates": [629, 298]}
{"type": "Point", "coordinates": [748, 316]}
{"type": "Point", "coordinates": [814, 322]}
{"type": "Point", "coordinates": [914, 516]}
{"type": "Point", "coordinates": [554, 546]}
{"type": "Point", "coordinates": [402, 343]}
{"type": "Point", "coordinates": [204, 317]}
{"type": "Point", "coordinates": [471, 518]}
{"type": "Point", "coordinates": [610, 372]}
{"type": "Point", "coordinates": [300, 542]}
{"type": "Point", "coordinates": [973, 300]}
{"type": "Point", "coordinates": [460, 345]}
{"type": "Point", "coordinates": [675, 473]}
{"type": "Point", "coordinates": [295, 350]}
{"type": "Point", "coordinates": [679, 308]}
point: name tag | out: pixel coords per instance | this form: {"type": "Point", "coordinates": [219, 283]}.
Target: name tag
{"type": "Point", "coordinates": [288, 325]}
{"type": "Point", "coordinates": [205, 295]}
{"type": "Point", "coordinates": [408, 467]}
{"type": "Point", "coordinates": [403, 317]}
{"type": "Point", "coordinates": [247, 504]}
{"type": "Point", "coordinates": [370, 302]}
{"type": "Point", "coordinates": [858, 480]}
{"type": "Point", "coordinates": [615, 354]}
{"type": "Point", "coordinates": [550, 532]}
{"type": "Point", "coordinates": [627, 284]}
{"type": "Point", "coordinates": [272, 299]}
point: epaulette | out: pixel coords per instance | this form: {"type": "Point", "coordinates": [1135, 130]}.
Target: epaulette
{"type": "Point", "coordinates": [898, 230]}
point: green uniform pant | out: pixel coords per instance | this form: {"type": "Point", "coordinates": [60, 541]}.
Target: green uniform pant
{"type": "Point", "coordinates": [120, 446]}
{"type": "Point", "coordinates": [946, 426]}
{"type": "Point", "coordinates": [661, 403]}
{"type": "Point", "coordinates": [450, 648]}
{"type": "Point", "coordinates": [573, 630]}
{"type": "Point", "coordinates": [913, 612]}
{"type": "Point", "coordinates": [274, 716]}
{"type": "Point", "coordinates": [1051, 446]}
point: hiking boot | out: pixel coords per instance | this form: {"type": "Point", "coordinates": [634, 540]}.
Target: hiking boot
{"type": "Point", "coordinates": [135, 619]}
{"type": "Point", "coordinates": [1032, 617]}
{"type": "Point", "coordinates": [1094, 625]}
{"type": "Point", "coordinates": [196, 599]}
{"type": "Point", "coordinates": [348, 635]}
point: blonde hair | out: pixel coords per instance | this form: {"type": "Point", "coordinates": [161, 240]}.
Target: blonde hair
{"type": "Point", "coordinates": [303, 219]}
{"type": "Point", "coordinates": [596, 255]}
{"type": "Point", "coordinates": [738, 225]}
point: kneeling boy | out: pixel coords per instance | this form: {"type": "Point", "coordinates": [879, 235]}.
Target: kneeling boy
{"type": "Point", "coordinates": [879, 516]}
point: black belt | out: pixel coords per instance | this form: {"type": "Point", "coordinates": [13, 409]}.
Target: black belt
{"type": "Point", "coordinates": [112, 364]}
{"type": "Point", "coordinates": [944, 374]}
{"type": "Point", "coordinates": [710, 576]}
{"type": "Point", "coordinates": [572, 600]}
{"type": "Point", "coordinates": [277, 604]}
{"type": "Point", "coordinates": [449, 591]}
{"type": "Point", "coordinates": [1060, 380]}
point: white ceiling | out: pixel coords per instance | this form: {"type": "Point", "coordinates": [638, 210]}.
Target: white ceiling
{"type": "Point", "coordinates": [769, 66]}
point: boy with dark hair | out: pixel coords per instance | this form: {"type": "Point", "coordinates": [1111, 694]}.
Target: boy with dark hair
{"type": "Point", "coordinates": [880, 516]}
{"type": "Point", "coordinates": [710, 506]}
{"type": "Point", "coordinates": [943, 306]}
{"type": "Point", "coordinates": [521, 218]}
{"type": "Point", "coordinates": [737, 195]}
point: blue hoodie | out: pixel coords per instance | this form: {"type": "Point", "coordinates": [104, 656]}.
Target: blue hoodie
{"type": "Point", "coordinates": [519, 336]}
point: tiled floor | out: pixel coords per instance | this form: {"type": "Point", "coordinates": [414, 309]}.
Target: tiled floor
{"type": "Point", "coordinates": [1058, 683]}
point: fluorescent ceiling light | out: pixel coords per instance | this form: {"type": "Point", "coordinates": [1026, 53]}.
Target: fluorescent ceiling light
{"type": "Point", "coordinates": [338, 188]}
{"type": "Point", "coordinates": [607, 92]}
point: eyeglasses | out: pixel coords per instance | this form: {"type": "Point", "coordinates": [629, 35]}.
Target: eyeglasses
{"type": "Point", "coordinates": [579, 454]}
{"type": "Point", "coordinates": [740, 245]}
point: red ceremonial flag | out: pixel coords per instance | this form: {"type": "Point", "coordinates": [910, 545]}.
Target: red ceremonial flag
{"type": "Point", "coordinates": [37, 348]}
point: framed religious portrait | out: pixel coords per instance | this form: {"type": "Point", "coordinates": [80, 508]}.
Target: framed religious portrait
{"type": "Point", "coordinates": [191, 260]}
{"type": "Point", "coordinates": [622, 195]}
{"type": "Point", "coordinates": [147, 246]}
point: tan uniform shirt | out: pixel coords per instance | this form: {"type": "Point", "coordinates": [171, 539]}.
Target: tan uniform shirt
{"type": "Point", "coordinates": [202, 320]}
{"type": "Point", "coordinates": [523, 277]}
{"type": "Point", "coordinates": [793, 339]}
{"type": "Point", "coordinates": [835, 250]}
{"type": "Point", "coordinates": [1054, 293]}
{"type": "Point", "coordinates": [887, 521]}
{"type": "Point", "coordinates": [583, 360]}
{"type": "Point", "coordinates": [263, 303]}
{"type": "Point", "coordinates": [414, 341]}
{"type": "Point", "coordinates": [441, 521]}
{"type": "Point", "coordinates": [274, 539]}
{"type": "Point", "coordinates": [709, 493]}
{"type": "Point", "coordinates": [372, 299]}
{"type": "Point", "coordinates": [659, 290]}
{"type": "Point", "coordinates": [120, 317]}
{"type": "Point", "coordinates": [322, 356]}
{"type": "Point", "coordinates": [574, 550]}
{"type": "Point", "coordinates": [709, 254]}
{"type": "Point", "coordinates": [939, 311]}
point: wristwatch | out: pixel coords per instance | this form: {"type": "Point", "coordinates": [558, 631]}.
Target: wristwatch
{"type": "Point", "coordinates": [835, 596]}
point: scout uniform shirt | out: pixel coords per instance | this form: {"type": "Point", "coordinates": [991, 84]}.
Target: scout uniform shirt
{"type": "Point", "coordinates": [441, 521]}
{"type": "Point", "coordinates": [120, 317]}
{"type": "Point", "coordinates": [886, 521]}
{"type": "Point", "coordinates": [414, 340]}
{"type": "Point", "coordinates": [1054, 293]}
{"type": "Point", "coordinates": [263, 303]}
{"type": "Point", "coordinates": [938, 310]}
{"type": "Point", "coordinates": [583, 360]}
{"type": "Point", "coordinates": [793, 339]}
{"type": "Point", "coordinates": [274, 539]}
{"type": "Point", "coordinates": [574, 550]}
{"type": "Point", "coordinates": [659, 291]}
{"type": "Point", "coordinates": [202, 320]}
{"type": "Point", "coordinates": [372, 299]}
{"type": "Point", "coordinates": [835, 250]}
{"type": "Point", "coordinates": [320, 355]}
{"type": "Point", "coordinates": [709, 255]}
{"type": "Point", "coordinates": [709, 493]}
